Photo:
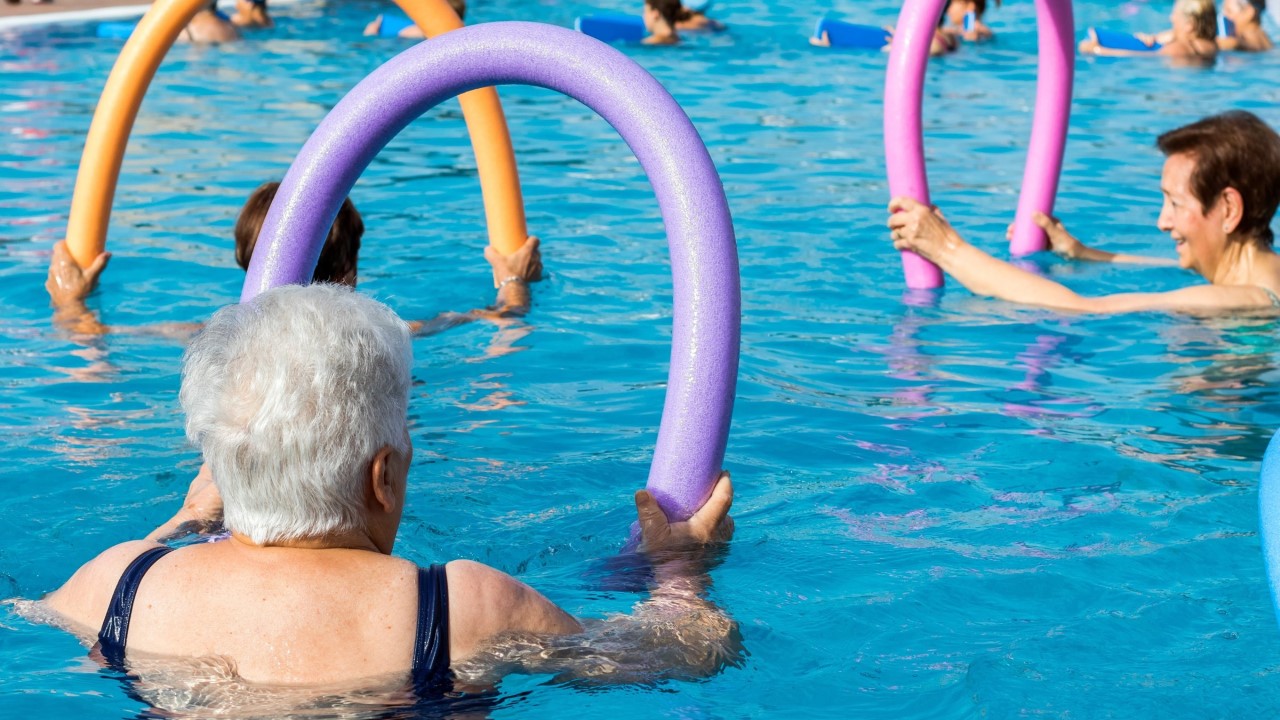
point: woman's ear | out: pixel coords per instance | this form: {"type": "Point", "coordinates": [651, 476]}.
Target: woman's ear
{"type": "Point", "coordinates": [1232, 209]}
{"type": "Point", "coordinates": [382, 490]}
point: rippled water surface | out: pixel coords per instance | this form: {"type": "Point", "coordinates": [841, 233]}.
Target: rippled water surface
{"type": "Point", "coordinates": [948, 508]}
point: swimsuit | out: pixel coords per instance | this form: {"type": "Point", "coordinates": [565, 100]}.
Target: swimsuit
{"type": "Point", "coordinates": [430, 674]}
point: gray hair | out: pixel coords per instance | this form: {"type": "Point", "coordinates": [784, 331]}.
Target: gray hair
{"type": "Point", "coordinates": [289, 397]}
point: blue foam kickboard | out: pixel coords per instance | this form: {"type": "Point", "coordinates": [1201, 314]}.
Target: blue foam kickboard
{"type": "Point", "coordinates": [848, 35]}
{"type": "Point", "coordinates": [1269, 517]}
{"type": "Point", "coordinates": [1226, 28]}
{"type": "Point", "coordinates": [116, 30]}
{"type": "Point", "coordinates": [1114, 40]}
{"type": "Point", "coordinates": [392, 24]}
{"type": "Point", "coordinates": [612, 28]}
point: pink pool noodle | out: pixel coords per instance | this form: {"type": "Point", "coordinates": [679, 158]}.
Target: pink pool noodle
{"type": "Point", "coordinates": [903, 130]}
{"type": "Point", "coordinates": [1049, 128]}
{"type": "Point", "coordinates": [706, 314]}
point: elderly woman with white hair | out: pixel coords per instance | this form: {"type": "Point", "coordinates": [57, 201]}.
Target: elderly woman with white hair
{"type": "Point", "coordinates": [298, 401]}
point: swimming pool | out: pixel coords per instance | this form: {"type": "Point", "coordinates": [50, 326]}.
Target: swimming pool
{"type": "Point", "coordinates": [945, 509]}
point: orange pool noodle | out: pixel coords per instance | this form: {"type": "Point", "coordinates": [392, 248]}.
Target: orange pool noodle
{"type": "Point", "coordinates": [136, 65]}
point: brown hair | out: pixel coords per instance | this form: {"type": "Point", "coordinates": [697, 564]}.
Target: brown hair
{"type": "Point", "coordinates": [1204, 17]}
{"type": "Point", "coordinates": [460, 7]}
{"type": "Point", "coordinates": [341, 249]}
{"type": "Point", "coordinates": [1233, 150]}
{"type": "Point", "coordinates": [668, 10]}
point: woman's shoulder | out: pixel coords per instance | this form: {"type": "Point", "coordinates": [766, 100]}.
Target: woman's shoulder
{"type": "Point", "coordinates": [83, 598]}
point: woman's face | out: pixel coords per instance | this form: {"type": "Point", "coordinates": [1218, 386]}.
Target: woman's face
{"type": "Point", "coordinates": [1238, 11]}
{"type": "Point", "coordinates": [651, 17]}
{"type": "Point", "coordinates": [957, 10]}
{"type": "Point", "coordinates": [1198, 234]}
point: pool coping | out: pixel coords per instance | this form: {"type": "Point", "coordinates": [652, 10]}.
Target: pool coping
{"type": "Point", "coordinates": [117, 12]}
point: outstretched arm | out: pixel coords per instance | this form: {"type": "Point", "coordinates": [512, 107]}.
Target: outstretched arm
{"type": "Point", "coordinates": [511, 276]}
{"type": "Point", "coordinates": [201, 509]}
{"type": "Point", "coordinates": [923, 230]}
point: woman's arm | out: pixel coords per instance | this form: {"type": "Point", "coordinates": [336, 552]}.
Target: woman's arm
{"type": "Point", "coordinates": [923, 230]}
{"type": "Point", "coordinates": [511, 276]}
{"type": "Point", "coordinates": [201, 509]}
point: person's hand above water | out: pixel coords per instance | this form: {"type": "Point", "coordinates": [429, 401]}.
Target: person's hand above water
{"type": "Point", "coordinates": [525, 263]}
{"type": "Point", "coordinates": [512, 275]}
{"type": "Point", "coordinates": [921, 229]}
{"type": "Point", "coordinates": [1060, 241]}
{"type": "Point", "coordinates": [710, 524]}
{"type": "Point", "coordinates": [68, 282]}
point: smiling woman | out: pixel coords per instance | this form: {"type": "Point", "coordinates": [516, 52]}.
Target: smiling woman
{"type": "Point", "coordinates": [1221, 185]}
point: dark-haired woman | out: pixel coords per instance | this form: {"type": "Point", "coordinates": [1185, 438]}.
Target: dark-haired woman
{"type": "Point", "coordinates": [660, 20]}
{"type": "Point", "coordinates": [1249, 36]}
{"type": "Point", "coordinates": [209, 26]}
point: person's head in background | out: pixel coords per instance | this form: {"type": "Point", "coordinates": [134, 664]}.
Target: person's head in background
{"type": "Point", "coordinates": [660, 18]}
{"type": "Point", "coordinates": [1195, 19]}
{"type": "Point", "coordinates": [460, 7]}
{"type": "Point", "coordinates": [1244, 12]}
{"type": "Point", "coordinates": [252, 13]}
{"type": "Point", "coordinates": [338, 259]}
{"type": "Point", "coordinates": [957, 9]}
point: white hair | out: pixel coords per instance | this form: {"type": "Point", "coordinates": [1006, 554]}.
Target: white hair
{"type": "Point", "coordinates": [289, 397]}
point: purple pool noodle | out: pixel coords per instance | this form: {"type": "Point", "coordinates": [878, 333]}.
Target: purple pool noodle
{"type": "Point", "coordinates": [1049, 128]}
{"type": "Point", "coordinates": [704, 258]}
{"type": "Point", "coordinates": [903, 128]}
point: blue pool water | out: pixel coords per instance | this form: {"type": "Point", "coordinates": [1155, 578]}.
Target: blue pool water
{"type": "Point", "coordinates": [955, 508]}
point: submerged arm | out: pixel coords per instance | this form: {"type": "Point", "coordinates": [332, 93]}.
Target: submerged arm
{"type": "Point", "coordinates": [511, 276]}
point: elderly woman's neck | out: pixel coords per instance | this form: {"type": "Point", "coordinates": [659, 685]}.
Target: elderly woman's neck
{"type": "Point", "coordinates": [1241, 258]}
{"type": "Point", "coordinates": [345, 541]}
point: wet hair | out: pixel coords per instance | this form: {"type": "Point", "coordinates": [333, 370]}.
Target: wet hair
{"type": "Point", "coordinates": [1259, 5]}
{"type": "Point", "coordinates": [1204, 17]}
{"type": "Point", "coordinates": [979, 7]}
{"type": "Point", "coordinates": [1233, 150]}
{"type": "Point", "coordinates": [341, 250]}
{"type": "Point", "coordinates": [668, 10]}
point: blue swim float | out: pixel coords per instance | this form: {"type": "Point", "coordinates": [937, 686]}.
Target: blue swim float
{"type": "Point", "coordinates": [392, 24]}
{"type": "Point", "coordinates": [612, 27]}
{"type": "Point", "coordinates": [1269, 517]}
{"type": "Point", "coordinates": [848, 35]}
{"type": "Point", "coordinates": [116, 30]}
{"type": "Point", "coordinates": [1113, 40]}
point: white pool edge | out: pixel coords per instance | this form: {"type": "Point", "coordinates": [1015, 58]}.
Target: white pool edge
{"type": "Point", "coordinates": [107, 13]}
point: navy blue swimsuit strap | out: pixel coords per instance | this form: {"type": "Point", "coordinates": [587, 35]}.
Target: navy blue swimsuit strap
{"type": "Point", "coordinates": [115, 626]}
{"type": "Point", "coordinates": [431, 645]}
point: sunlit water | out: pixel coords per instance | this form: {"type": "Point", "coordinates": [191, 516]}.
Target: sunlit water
{"type": "Point", "coordinates": [949, 509]}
